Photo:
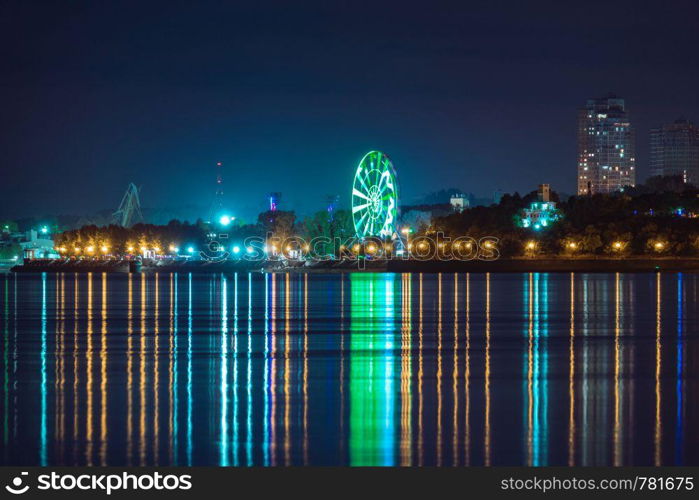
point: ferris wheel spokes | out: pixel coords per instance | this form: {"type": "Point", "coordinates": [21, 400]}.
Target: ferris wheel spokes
{"type": "Point", "coordinates": [374, 196]}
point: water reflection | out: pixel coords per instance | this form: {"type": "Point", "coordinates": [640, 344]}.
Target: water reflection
{"type": "Point", "coordinates": [372, 395]}
{"type": "Point", "coordinates": [657, 443]}
{"type": "Point", "coordinates": [358, 369]}
{"type": "Point", "coordinates": [680, 373]}
{"type": "Point", "coordinates": [537, 359]}
{"type": "Point", "coordinates": [571, 375]}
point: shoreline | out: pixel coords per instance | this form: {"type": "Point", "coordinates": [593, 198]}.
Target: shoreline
{"type": "Point", "coordinates": [583, 265]}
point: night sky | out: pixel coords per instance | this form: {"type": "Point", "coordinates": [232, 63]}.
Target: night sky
{"type": "Point", "coordinates": [290, 95]}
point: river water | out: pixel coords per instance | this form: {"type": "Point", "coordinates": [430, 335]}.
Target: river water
{"type": "Point", "coordinates": [349, 369]}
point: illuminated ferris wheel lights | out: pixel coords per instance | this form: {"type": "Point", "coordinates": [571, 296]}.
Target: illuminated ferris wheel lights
{"type": "Point", "coordinates": [374, 196]}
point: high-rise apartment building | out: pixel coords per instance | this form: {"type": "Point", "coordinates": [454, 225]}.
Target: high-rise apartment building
{"type": "Point", "coordinates": [674, 150]}
{"type": "Point", "coordinates": [606, 147]}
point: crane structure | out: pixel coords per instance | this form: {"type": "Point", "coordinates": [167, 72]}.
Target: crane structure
{"type": "Point", "coordinates": [129, 211]}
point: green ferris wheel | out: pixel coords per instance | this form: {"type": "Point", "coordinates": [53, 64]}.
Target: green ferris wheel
{"type": "Point", "coordinates": [375, 196]}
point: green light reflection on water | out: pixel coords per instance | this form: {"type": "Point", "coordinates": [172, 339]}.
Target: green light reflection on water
{"type": "Point", "coordinates": [373, 371]}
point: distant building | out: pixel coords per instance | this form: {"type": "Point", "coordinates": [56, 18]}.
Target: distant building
{"type": "Point", "coordinates": [606, 147]}
{"type": "Point", "coordinates": [459, 202]}
{"type": "Point", "coordinates": [674, 150]}
{"type": "Point", "coordinates": [541, 213]}
{"type": "Point", "coordinates": [37, 246]}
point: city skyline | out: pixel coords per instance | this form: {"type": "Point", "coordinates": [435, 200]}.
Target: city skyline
{"type": "Point", "coordinates": [465, 98]}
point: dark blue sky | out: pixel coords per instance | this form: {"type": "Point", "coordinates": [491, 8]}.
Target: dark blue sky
{"type": "Point", "coordinates": [290, 95]}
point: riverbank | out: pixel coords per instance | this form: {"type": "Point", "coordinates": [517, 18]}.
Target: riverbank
{"type": "Point", "coordinates": [550, 265]}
